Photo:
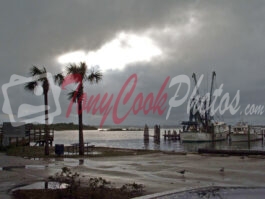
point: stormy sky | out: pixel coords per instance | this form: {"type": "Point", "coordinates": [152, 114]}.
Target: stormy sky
{"type": "Point", "coordinates": [150, 38]}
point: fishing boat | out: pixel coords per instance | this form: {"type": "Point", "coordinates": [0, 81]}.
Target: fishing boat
{"type": "Point", "coordinates": [217, 132]}
{"type": "Point", "coordinates": [240, 133]}
{"type": "Point", "coordinates": [201, 126]}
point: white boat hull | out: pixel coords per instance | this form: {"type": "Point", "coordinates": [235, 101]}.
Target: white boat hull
{"type": "Point", "coordinates": [202, 137]}
{"type": "Point", "coordinates": [244, 137]}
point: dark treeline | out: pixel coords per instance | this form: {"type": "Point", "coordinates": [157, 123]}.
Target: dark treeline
{"type": "Point", "coordinates": [64, 126]}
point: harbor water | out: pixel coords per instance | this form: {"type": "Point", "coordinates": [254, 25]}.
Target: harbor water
{"type": "Point", "coordinates": [135, 140]}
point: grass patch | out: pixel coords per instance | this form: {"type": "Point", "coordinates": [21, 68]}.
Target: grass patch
{"type": "Point", "coordinates": [110, 152]}
{"type": "Point", "coordinates": [28, 151]}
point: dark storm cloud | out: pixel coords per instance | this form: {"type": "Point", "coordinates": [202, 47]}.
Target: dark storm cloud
{"type": "Point", "coordinates": [229, 38]}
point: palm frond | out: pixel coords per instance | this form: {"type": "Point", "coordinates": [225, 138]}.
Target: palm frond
{"type": "Point", "coordinates": [44, 70]}
{"type": "Point", "coordinates": [58, 79]}
{"type": "Point", "coordinates": [76, 95]}
{"type": "Point", "coordinates": [72, 69]}
{"type": "Point", "coordinates": [83, 68]}
{"type": "Point", "coordinates": [30, 86]}
{"type": "Point", "coordinates": [77, 69]}
{"type": "Point", "coordinates": [36, 71]}
{"type": "Point", "coordinates": [94, 76]}
{"type": "Point", "coordinates": [72, 96]}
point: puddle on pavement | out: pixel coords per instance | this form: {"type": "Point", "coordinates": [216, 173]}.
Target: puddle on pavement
{"type": "Point", "coordinates": [35, 166]}
{"type": "Point", "coordinates": [34, 158]}
{"type": "Point", "coordinates": [218, 193]}
{"type": "Point", "coordinates": [28, 158]}
{"type": "Point", "coordinates": [89, 153]}
{"type": "Point", "coordinates": [41, 185]}
{"type": "Point", "coordinates": [10, 168]}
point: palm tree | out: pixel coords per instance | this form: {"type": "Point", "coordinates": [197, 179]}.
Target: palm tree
{"type": "Point", "coordinates": [40, 76]}
{"type": "Point", "coordinates": [77, 96]}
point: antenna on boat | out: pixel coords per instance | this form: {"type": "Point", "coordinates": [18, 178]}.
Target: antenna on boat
{"type": "Point", "coordinates": [211, 93]}
{"type": "Point", "coordinates": [192, 114]}
{"type": "Point", "coordinates": [196, 84]}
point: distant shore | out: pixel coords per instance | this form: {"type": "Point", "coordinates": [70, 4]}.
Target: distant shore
{"type": "Point", "coordinates": [72, 126]}
{"type": "Point", "coordinates": [63, 126]}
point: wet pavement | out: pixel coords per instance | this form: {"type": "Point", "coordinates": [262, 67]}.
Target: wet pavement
{"type": "Point", "coordinates": [218, 193]}
{"type": "Point", "coordinates": [157, 172]}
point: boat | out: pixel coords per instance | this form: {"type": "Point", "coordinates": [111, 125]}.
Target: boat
{"type": "Point", "coordinates": [101, 129]}
{"type": "Point", "coordinates": [239, 133]}
{"type": "Point", "coordinates": [202, 127]}
{"type": "Point", "coordinates": [217, 132]}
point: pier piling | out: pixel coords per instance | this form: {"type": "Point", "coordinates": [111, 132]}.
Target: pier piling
{"type": "Point", "coordinates": [248, 137]}
{"type": "Point", "coordinates": [171, 136]}
{"type": "Point", "coordinates": [146, 133]}
{"type": "Point", "coordinates": [157, 133]}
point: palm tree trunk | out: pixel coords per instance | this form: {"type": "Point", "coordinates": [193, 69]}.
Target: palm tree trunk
{"type": "Point", "coordinates": [46, 123]}
{"type": "Point", "coordinates": [81, 136]}
{"type": "Point", "coordinates": [80, 121]}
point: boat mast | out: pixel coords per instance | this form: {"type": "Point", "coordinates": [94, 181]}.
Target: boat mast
{"type": "Point", "coordinates": [192, 114]}
{"type": "Point", "coordinates": [195, 81]}
{"type": "Point", "coordinates": [211, 93]}
{"type": "Point", "coordinates": [197, 115]}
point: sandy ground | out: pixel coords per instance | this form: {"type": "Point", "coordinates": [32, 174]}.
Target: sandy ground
{"type": "Point", "coordinates": [158, 172]}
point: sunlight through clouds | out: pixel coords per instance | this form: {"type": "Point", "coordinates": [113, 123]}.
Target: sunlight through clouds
{"type": "Point", "coordinates": [124, 49]}
{"type": "Point", "coordinates": [72, 57]}
{"type": "Point", "coordinates": [127, 48]}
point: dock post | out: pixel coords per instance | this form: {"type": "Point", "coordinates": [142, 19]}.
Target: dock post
{"type": "Point", "coordinates": [34, 134]}
{"type": "Point", "coordinates": [213, 133]}
{"type": "Point", "coordinates": [146, 133]}
{"type": "Point", "coordinates": [46, 184]}
{"type": "Point", "coordinates": [229, 133]}
{"type": "Point", "coordinates": [40, 133]}
{"type": "Point", "coordinates": [248, 136]}
{"type": "Point", "coordinates": [262, 135]}
{"type": "Point", "coordinates": [156, 133]}
{"type": "Point", "coordinates": [29, 136]}
{"type": "Point", "coordinates": [159, 133]}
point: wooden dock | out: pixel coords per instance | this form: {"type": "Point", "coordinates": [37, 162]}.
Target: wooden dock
{"type": "Point", "coordinates": [171, 136]}
{"type": "Point", "coordinates": [38, 136]}
{"type": "Point", "coordinates": [74, 148]}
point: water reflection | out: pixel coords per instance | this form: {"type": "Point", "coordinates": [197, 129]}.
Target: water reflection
{"type": "Point", "coordinates": [146, 144]}
{"type": "Point", "coordinates": [81, 162]}
{"type": "Point", "coordinates": [157, 146]}
{"type": "Point", "coordinates": [135, 140]}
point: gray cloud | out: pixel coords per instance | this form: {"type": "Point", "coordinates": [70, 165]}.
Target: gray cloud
{"type": "Point", "coordinates": [229, 38]}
